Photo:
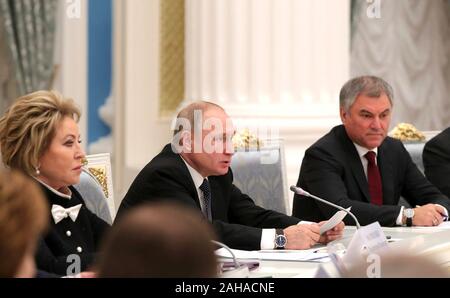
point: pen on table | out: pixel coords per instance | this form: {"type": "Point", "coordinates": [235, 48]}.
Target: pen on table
{"type": "Point", "coordinates": [321, 250]}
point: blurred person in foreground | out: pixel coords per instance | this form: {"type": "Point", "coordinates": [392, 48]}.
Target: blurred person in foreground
{"type": "Point", "coordinates": [159, 240]}
{"type": "Point", "coordinates": [394, 265]}
{"type": "Point", "coordinates": [23, 220]}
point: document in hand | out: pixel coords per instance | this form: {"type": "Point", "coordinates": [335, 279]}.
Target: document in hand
{"type": "Point", "coordinates": [333, 221]}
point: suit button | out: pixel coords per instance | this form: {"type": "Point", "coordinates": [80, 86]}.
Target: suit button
{"type": "Point", "coordinates": [79, 249]}
{"type": "Point", "coordinates": [69, 233]}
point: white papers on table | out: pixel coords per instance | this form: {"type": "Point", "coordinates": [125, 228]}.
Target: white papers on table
{"type": "Point", "coordinates": [310, 255]}
{"type": "Point", "coordinates": [443, 225]}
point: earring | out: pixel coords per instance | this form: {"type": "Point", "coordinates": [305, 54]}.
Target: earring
{"type": "Point", "coordinates": [37, 171]}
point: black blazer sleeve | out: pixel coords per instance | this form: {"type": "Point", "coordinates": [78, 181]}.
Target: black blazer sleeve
{"type": "Point", "coordinates": [99, 228]}
{"type": "Point", "coordinates": [417, 190]}
{"type": "Point", "coordinates": [436, 160]}
{"type": "Point", "coordinates": [236, 219]}
{"type": "Point", "coordinates": [246, 221]}
{"type": "Point", "coordinates": [47, 261]}
{"type": "Point", "coordinates": [239, 227]}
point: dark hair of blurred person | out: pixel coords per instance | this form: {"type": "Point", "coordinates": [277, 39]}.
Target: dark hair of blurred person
{"type": "Point", "coordinates": [159, 240]}
{"type": "Point", "coordinates": [23, 219]}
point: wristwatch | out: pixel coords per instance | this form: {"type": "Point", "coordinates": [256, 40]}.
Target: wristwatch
{"type": "Point", "coordinates": [409, 214]}
{"type": "Point", "coordinates": [280, 239]}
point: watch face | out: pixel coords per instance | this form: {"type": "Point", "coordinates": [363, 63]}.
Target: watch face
{"type": "Point", "coordinates": [409, 213]}
{"type": "Point", "coordinates": [280, 241]}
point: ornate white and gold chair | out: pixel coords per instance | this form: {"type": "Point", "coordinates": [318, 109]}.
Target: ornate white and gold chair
{"type": "Point", "coordinates": [259, 170]}
{"type": "Point", "coordinates": [96, 186]}
{"type": "Point", "coordinates": [414, 142]}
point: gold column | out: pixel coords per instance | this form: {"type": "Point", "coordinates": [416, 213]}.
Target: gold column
{"type": "Point", "coordinates": [171, 56]}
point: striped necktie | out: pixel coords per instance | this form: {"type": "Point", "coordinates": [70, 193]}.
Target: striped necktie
{"type": "Point", "coordinates": [206, 199]}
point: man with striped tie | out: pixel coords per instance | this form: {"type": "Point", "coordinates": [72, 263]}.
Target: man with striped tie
{"type": "Point", "coordinates": [195, 170]}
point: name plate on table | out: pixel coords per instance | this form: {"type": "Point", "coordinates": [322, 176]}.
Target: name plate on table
{"type": "Point", "coordinates": [367, 240]}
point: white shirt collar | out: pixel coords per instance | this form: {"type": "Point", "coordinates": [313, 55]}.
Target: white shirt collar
{"type": "Point", "coordinates": [58, 193]}
{"type": "Point", "coordinates": [362, 150]}
{"type": "Point", "coordinates": [196, 176]}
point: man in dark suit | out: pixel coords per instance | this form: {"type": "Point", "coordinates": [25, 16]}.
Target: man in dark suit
{"type": "Point", "coordinates": [357, 165]}
{"type": "Point", "coordinates": [436, 160]}
{"type": "Point", "coordinates": [194, 170]}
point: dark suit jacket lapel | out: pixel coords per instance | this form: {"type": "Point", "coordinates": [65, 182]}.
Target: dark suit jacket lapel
{"type": "Point", "coordinates": [387, 177]}
{"type": "Point", "coordinates": [355, 164]}
{"type": "Point", "coordinates": [218, 203]}
{"type": "Point", "coordinates": [189, 183]}
{"type": "Point", "coordinates": [220, 196]}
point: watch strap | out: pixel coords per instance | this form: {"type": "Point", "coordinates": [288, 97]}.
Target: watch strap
{"type": "Point", "coordinates": [409, 221]}
{"type": "Point", "coordinates": [278, 233]}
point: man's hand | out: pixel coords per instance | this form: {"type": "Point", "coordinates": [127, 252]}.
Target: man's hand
{"type": "Point", "coordinates": [302, 236]}
{"type": "Point", "coordinates": [333, 234]}
{"type": "Point", "coordinates": [428, 215]}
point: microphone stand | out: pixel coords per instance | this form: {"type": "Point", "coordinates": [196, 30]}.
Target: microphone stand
{"type": "Point", "coordinates": [300, 191]}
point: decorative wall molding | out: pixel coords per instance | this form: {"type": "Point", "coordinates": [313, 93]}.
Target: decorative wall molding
{"type": "Point", "coordinates": [273, 63]}
{"type": "Point", "coordinates": [139, 132]}
{"type": "Point", "coordinates": [171, 56]}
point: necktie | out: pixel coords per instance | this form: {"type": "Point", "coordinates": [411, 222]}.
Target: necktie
{"type": "Point", "coordinates": [59, 213]}
{"type": "Point", "coordinates": [374, 179]}
{"type": "Point", "coordinates": [206, 199]}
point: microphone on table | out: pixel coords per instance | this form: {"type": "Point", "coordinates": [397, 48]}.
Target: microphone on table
{"type": "Point", "coordinates": [300, 191]}
{"type": "Point", "coordinates": [235, 261]}
{"type": "Point", "coordinates": [241, 269]}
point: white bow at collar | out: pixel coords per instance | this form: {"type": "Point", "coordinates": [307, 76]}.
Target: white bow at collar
{"type": "Point", "coordinates": [59, 213]}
